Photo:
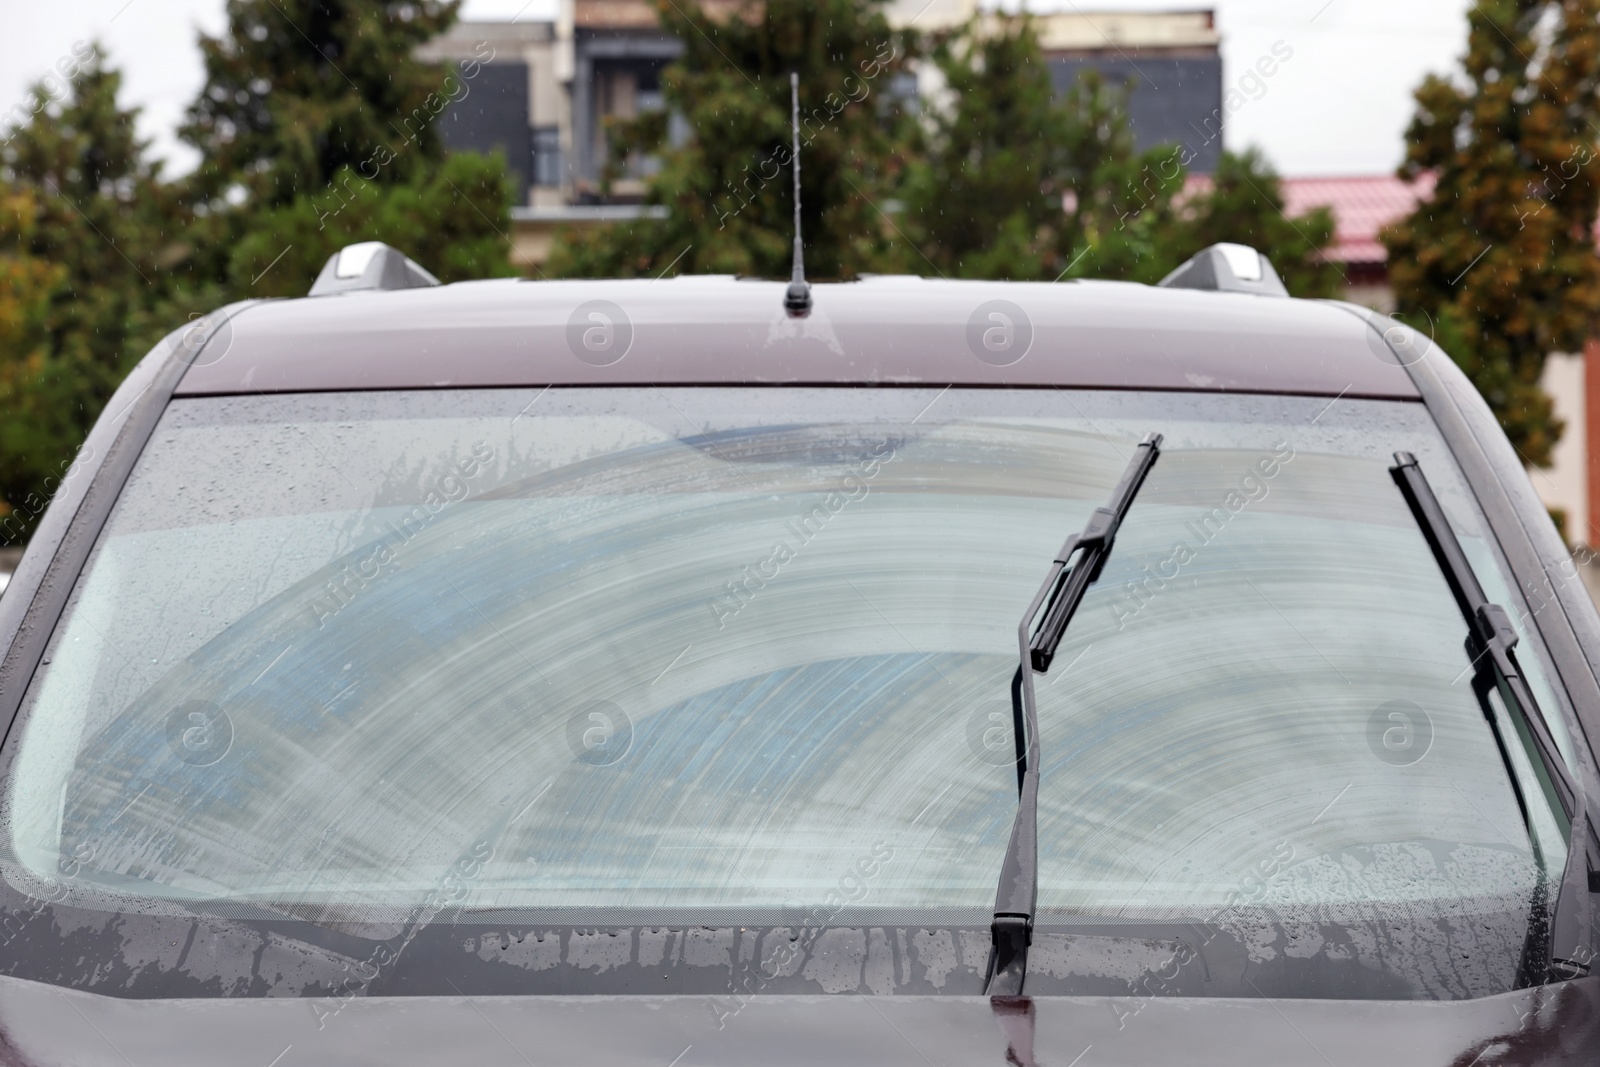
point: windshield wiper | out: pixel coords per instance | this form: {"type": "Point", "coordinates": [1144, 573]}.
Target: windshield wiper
{"type": "Point", "coordinates": [1012, 928]}
{"type": "Point", "coordinates": [1558, 948]}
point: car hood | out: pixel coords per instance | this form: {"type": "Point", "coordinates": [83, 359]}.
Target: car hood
{"type": "Point", "coordinates": [41, 1024]}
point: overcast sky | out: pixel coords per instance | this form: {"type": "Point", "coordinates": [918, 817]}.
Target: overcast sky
{"type": "Point", "coordinates": [1338, 106]}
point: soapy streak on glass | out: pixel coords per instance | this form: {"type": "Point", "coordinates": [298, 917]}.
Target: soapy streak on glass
{"type": "Point", "coordinates": [426, 712]}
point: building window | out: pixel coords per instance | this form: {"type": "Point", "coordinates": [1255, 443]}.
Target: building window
{"type": "Point", "coordinates": [547, 155]}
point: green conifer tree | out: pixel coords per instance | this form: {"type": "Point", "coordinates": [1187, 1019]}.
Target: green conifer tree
{"type": "Point", "coordinates": [297, 90]}
{"type": "Point", "coordinates": [1499, 264]}
{"type": "Point", "coordinates": [85, 200]}
{"type": "Point", "coordinates": [724, 163]}
{"type": "Point", "coordinates": [30, 431]}
{"type": "Point", "coordinates": [1018, 181]}
{"type": "Point", "coordinates": [985, 198]}
{"type": "Point", "coordinates": [317, 128]}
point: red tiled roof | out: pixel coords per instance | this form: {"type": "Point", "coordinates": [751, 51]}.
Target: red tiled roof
{"type": "Point", "coordinates": [1361, 207]}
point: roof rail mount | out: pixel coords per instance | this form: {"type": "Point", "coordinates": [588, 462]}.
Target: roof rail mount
{"type": "Point", "coordinates": [1227, 268]}
{"type": "Point", "coordinates": [367, 266]}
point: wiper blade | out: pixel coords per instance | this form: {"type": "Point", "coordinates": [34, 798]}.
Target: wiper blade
{"type": "Point", "coordinates": [1099, 534]}
{"type": "Point", "coordinates": [1012, 929]}
{"type": "Point", "coordinates": [1558, 949]}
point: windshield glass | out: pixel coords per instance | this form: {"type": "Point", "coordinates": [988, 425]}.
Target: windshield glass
{"type": "Point", "coordinates": [734, 658]}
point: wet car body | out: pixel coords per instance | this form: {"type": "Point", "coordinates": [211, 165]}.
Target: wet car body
{"type": "Point", "coordinates": [150, 998]}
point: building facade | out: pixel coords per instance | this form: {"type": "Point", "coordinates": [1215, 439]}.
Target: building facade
{"type": "Point", "coordinates": [542, 92]}
{"type": "Point", "coordinates": [1169, 63]}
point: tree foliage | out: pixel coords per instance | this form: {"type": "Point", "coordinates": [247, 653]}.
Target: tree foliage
{"type": "Point", "coordinates": [1245, 204]}
{"type": "Point", "coordinates": [984, 198]}
{"type": "Point", "coordinates": [724, 172]}
{"type": "Point", "coordinates": [79, 196]}
{"type": "Point", "coordinates": [1499, 264]}
{"type": "Point", "coordinates": [27, 285]}
{"type": "Point", "coordinates": [1018, 181]}
{"type": "Point", "coordinates": [297, 90]}
{"type": "Point", "coordinates": [1121, 205]}
{"type": "Point", "coordinates": [437, 218]}
{"type": "Point", "coordinates": [316, 129]}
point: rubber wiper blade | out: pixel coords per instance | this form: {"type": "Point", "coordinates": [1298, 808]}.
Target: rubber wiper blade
{"type": "Point", "coordinates": [1099, 534]}
{"type": "Point", "coordinates": [1063, 588]}
{"type": "Point", "coordinates": [1558, 948]}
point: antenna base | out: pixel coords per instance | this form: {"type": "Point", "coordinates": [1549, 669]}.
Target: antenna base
{"type": "Point", "coordinates": [797, 299]}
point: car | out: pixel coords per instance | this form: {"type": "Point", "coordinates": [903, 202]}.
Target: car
{"type": "Point", "coordinates": [701, 670]}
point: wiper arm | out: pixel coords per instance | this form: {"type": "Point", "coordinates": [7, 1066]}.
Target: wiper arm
{"type": "Point", "coordinates": [1012, 929]}
{"type": "Point", "coordinates": [1560, 949]}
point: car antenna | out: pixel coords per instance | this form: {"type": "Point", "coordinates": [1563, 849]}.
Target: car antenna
{"type": "Point", "coordinates": [797, 299]}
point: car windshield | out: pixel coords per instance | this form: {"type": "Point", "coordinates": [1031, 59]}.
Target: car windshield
{"type": "Point", "coordinates": [509, 661]}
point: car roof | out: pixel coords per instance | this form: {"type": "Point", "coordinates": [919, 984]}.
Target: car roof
{"type": "Point", "coordinates": [700, 329]}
